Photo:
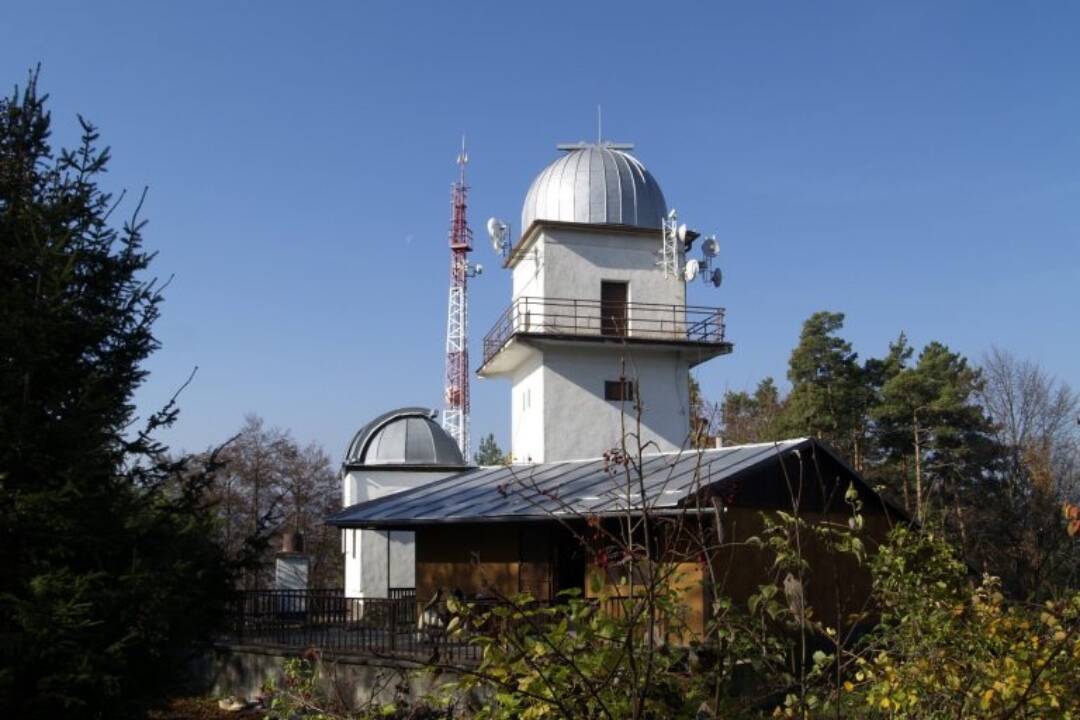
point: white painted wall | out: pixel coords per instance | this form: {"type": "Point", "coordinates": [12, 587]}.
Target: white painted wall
{"type": "Point", "coordinates": [579, 423]}
{"type": "Point", "coordinates": [377, 560]}
{"type": "Point", "coordinates": [558, 406]}
{"type": "Point", "coordinates": [527, 411]}
{"type": "Point", "coordinates": [402, 559]}
{"type": "Point", "coordinates": [366, 484]}
{"type": "Point", "coordinates": [576, 261]}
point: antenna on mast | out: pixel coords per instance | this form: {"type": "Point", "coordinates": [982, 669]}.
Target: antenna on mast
{"type": "Point", "coordinates": [456, 394]}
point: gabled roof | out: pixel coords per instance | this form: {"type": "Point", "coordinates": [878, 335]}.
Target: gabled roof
{"type": "Point", "coordinates": [744, 474]}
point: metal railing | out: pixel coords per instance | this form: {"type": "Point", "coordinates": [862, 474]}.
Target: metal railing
{"type": "Point", "coordinates": [399, 627]}
{"type": "Point", "coordinates": [598, 318]}
{"type": "Point", "coordinates": [325, 619]}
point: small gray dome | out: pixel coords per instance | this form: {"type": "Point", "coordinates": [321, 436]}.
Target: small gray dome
{"type": "Point", "coordinates": [407, 436]}
{"type": "Point", "coordinates": [595, 184]}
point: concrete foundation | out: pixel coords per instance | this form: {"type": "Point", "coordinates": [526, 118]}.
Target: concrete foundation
{"type": "Point", "coordinates": [354, 681]}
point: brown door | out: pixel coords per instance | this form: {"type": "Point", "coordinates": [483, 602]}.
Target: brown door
{"type": "Point", "coordinates": [613, 308]}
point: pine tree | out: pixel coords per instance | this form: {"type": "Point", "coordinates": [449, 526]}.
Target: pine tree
{"type": "Point", "coordinates": [752, 418]}
{"type": "Point", "coordinates": [106, 559]}
{"type": "Point", "coordinates": [930, 414]}
{"type": "Point", "coordinates": [828, 394]}
{"type": "Point", "coordinates": [489, 452]}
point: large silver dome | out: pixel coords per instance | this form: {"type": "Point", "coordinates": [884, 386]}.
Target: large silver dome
{"type": "Point", "coordinates": [595, 184]}
{"type": "Point", "coordinates": [407, 436]}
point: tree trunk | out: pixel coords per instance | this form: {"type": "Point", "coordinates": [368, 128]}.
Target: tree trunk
{"type": "Point", "coordinates": [907, 484]}
{"type": "Point", "coordinates": [918, 468]}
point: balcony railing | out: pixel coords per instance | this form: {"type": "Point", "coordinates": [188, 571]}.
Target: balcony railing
{"type": "Point", "coordinates": [598, 318]}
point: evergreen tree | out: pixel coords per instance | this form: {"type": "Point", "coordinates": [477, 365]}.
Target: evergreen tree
{"type": "Point", "coordinates": [828, 393]}
{"type": "Point", "coordinates": [107, 567]}
{"type": "Point", "coordinates": [930, 415]}
{"type": "Point", "coordinates": [489, 452]}
{"type": "Point", "coordinates": [751, 418]}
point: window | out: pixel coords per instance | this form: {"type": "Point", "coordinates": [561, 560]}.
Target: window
{"type": "Point", "coordinates": [621, 390]}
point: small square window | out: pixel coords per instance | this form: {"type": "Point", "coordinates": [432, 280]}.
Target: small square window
{"type": "Point", "coordinates": [620, 390]}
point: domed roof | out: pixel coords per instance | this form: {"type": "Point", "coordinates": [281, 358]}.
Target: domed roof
{"type": "Point", "coordinates": [596, 184]}
{"type": "Point", "coordinates": [407, 436]}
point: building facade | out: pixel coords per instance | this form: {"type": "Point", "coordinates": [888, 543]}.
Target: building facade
{"type": "Point", "coordinates": [598, 336]}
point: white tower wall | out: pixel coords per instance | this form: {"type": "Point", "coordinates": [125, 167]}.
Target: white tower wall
{"type": "Point", "coordinates": [559, 410]}
{"type": "Point", "coordinates": [576, 261]}
{"type": "Point", "coordinates": [593, 306]}
{"type": "Point", "coordinates": [527, 412]}
{"type": "Point", "coordinates": [580, 423]}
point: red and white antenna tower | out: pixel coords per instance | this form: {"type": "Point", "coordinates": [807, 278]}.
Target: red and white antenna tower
{"type": "Point", "coordinates": [456, 414]}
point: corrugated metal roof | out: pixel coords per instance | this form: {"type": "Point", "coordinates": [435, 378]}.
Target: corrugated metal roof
{"type": "Point", "coordinates": [578, 487]}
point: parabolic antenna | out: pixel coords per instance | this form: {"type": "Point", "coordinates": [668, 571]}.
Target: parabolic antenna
{"type": "Point", "coordinates": [680, 232]}
{"type": "Point", "coordinates": [716, 278]}
{"type": "Point", "coordinates": [710, 247]}
{"type": "Point", "coordinates": [691, 269]}
{"type": "Point", "coordinates": [497, 232]}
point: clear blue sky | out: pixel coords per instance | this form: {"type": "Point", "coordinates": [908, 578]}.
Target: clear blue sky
{"type": "Point", "coordinates": [914, 165]}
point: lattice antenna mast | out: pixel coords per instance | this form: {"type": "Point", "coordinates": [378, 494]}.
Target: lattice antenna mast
{"type": "Point", "coordinates": [456, 414]}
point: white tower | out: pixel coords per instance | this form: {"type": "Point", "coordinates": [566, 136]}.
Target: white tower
{"type": "Point", "coordinates": [598, 327]}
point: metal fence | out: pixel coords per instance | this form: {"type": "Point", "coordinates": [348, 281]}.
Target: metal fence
{"type": "Point", "coordinates": [633, 320]}
{"type": "Point", "coordinates": [399, 626]}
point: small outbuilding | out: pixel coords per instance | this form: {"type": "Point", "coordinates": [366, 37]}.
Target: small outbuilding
{"type": "Point", "coordinates": [527, 528]}
{"type": "Point", "coordinates": [398, 451]}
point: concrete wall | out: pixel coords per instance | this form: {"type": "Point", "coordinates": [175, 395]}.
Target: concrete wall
{"type": "Point", "coordinates": [402, 558]}
{"type": "Point", "coordinates": [579, 423]}
{"type": "Point", "coordinates": [356, 680]}
{"type": "Point", "coordinates": [368, 483]}
{"type": "Point", "coordinates": [527, 410]}
{"type": "Point", "coordinates": [558, 406]}
{"type": "Point", "coordinates": [376, 561]}
{"type": "Point", "coordinates": [576, 261]}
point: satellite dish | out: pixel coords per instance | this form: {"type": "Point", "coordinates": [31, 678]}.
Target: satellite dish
{"type": "Point", "coordinates": [680, 233]}
{"type": "Point", "coordinates": [479, 269]}
{"type": "Point", "coordinates": [710, 247]}
{"type": "Point", "coordinates": [716, 278]}
{"type": "Point", "coordinates": [671, 214]}
{"type": "Point", "coordinates": [691, 269]}
{"type": "Point", "coordinates": [497, 232]}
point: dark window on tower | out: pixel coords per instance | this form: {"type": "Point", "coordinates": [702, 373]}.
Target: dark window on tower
{"type": "Point", "coordinates": [621, 390]}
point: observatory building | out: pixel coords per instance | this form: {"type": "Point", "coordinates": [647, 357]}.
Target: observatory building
{"type": "Point", "coordinates": [397, 451]}
{"type": "Point", "coordinates": [598, 326]}
{"type": "Point", "coordinates": [597, 343]}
